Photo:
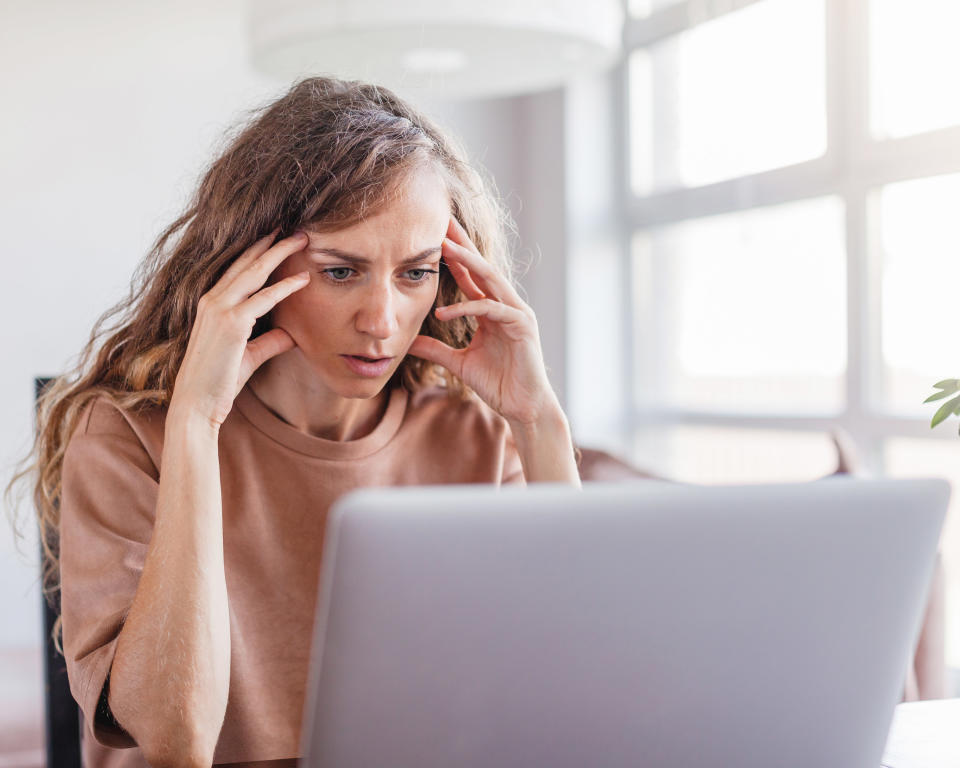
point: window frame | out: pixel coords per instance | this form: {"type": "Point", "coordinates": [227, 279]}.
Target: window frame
{"type": "Point", "coordinates": [854, 166]}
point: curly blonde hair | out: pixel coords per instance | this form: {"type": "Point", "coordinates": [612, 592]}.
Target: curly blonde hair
{"type": "Point", "coordinates": [326, 154]}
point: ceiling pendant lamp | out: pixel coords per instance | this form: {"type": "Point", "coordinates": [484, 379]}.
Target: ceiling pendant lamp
{"type": "Point", "coordinates": [443, 48]}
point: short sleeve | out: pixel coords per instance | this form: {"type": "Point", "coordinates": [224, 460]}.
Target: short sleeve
{"type": "Point", "coordinates": [107, 505]}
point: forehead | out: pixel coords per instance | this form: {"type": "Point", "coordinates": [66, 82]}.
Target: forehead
{"type": "Point", "coordinates": [414, 216]}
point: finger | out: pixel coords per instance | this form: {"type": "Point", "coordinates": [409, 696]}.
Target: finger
{"type": "Point", "coordinates": [266, 299]}
{"type": "Point", "coordinates": [461, 276]}
{"type": "Point", "coordinates": [491, 282]}
{"type": "Point", "coordinates": [435, 351]}
{"type": "Point", "coordinates": [272, 343]}
{"type": "Point", "coordinates": [246, 258]}
{"type": "Point", "coordinates": [458, 233]}
{"type": "Point", "coordinates": [255, 274]}
{"type": "Point", "coordinates": [494, 310]}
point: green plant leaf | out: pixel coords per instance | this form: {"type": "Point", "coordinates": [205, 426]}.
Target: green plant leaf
{"type": "Point", "coordinates": [945, 410]}
{"type": "Point", "coordinates": [938, 396]}
{"type": "Point", "coordinates": [951, 384]}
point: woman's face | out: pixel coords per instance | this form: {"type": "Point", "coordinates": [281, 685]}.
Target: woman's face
{"type": "Point", "coordinates": [371, 286]}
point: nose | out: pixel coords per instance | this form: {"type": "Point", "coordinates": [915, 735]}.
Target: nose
{"type": "Point", "coordinates": [376, 315]}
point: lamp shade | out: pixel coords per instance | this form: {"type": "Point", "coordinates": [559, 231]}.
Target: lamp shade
{"type": "Point", "coordinates": [446, 48]}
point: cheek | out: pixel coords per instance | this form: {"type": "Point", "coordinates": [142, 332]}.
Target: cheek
{"type": "Point", "coordinates": [422, 307]}
{"type": "Point", "coordinates": [304, 310]}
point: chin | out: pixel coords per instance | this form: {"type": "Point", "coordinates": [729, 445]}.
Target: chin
{"type": "Point", "coordinates": [358, 388]}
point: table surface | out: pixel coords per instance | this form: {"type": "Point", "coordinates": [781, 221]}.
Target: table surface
{"type": "Point", "coordinates": [924, 734]}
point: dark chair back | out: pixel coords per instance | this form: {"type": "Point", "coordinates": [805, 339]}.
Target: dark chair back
{"type": "Point", "coordinates": [63, 718]}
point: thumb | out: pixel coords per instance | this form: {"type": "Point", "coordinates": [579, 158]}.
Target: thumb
{"type": "Point", "coordinates": [272, 343]}
{"type": "Point", "coordinates": [435, 351]}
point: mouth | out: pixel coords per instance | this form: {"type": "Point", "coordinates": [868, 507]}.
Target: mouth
{"type": "Point", "coordinates": [369, 367]}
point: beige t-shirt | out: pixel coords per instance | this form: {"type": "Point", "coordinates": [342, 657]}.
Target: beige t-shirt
{"type": "Point", "coordinates": [277, 485]}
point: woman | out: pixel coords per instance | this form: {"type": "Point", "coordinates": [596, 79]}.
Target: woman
{"type": "Point", "coordinates": [333, 310]}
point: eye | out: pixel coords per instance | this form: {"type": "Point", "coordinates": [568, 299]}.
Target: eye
{"type": "Point", "coordinates": [420, 275]}
{"type": "Point", "coordinates": [338, 274]}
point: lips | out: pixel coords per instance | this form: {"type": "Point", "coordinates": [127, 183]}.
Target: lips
{"type": "Point", "coordinates": [367, 365]}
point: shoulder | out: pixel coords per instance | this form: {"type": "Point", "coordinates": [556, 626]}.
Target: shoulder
{"type": "Point", "coordinates": [103, 425]}
{"type": "Point", "coordinates": [449, 413]}
{"type": "Point", "coordinates": [464, 439]}
{"type": "Point", "coordinates": [110, 474]}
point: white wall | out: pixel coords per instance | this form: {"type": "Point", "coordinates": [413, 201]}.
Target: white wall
{"type": "Point", "coordinates": [110, 111]}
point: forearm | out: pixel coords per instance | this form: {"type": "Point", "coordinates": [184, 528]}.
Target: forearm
{"type": "Point", "coordinates": [546, 449]}
{"type": "Point", "coordinates": [170, 676]}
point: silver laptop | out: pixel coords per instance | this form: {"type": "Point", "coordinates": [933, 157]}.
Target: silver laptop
{"type": "Point", "coordinates": [641, 624]}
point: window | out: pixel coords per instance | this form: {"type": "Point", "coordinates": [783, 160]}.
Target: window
{"type": "Point", "coordinates": [912, 43]}
{"type": "Point", "coordinates": [919, 231]}
{"type": "Point", "coordinates": [728, 455]}
{"type": "Point", "coordinates": [754, 307]}
{"type": "Point", "coordinates": [706, 114]}
{"type": "Point", "coordinates": [793, 206]}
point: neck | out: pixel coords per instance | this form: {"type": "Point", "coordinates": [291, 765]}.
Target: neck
{"type": "Point", "coordinates": [288, 387]}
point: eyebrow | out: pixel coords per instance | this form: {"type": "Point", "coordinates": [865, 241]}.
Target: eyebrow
{"type": "Point", "coordinates": [355, 259]}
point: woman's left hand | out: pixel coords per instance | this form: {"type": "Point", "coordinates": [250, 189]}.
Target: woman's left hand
{"type": "Point", "coordinates": [503, 363]}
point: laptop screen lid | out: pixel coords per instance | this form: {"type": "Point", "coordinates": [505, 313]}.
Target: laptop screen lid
{"type": "Point", "coordinates": [648, 623]}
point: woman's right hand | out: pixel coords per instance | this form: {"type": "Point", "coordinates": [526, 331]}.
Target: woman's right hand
{"type": "Point", "coordinates": [219, 358]}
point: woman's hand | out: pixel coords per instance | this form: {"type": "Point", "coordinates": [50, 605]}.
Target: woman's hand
{"type": "Point", "coordinates": [219, 359]}
{"type": "Point", "coordinates": [503, 363]}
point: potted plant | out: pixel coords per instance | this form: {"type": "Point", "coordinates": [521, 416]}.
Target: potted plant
{"type": "Point", "coordinates": [947, 387]}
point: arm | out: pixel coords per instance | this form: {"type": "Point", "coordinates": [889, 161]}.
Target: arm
{"type": "Point", "coordinates": [171, 671]}
{"type": "Point", "coordinates": [546, 449]}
